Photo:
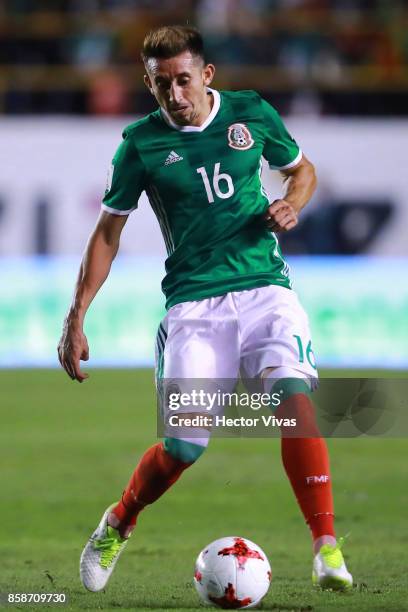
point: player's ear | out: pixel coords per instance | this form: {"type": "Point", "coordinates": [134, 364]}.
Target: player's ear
{"type": "Point", "coordinates": [208, 74]}
{"type": "Point", "coordinates": [148, 83]}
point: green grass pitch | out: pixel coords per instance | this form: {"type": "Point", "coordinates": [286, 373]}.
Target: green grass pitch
{"type": "Point", "coordinates": [67, 451]}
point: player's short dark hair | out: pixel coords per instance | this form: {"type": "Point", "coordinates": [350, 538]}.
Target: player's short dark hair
{"type": "Point", "coordinates": [169, 41]}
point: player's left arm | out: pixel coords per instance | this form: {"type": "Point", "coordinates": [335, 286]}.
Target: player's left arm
{"type": "Point", "coordinates": [300, 183]}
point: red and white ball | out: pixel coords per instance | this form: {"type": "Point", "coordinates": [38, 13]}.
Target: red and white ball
{"type": "Point", "coordinates": [232, 573]}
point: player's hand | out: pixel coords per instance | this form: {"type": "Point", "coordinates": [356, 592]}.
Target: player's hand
{"type": "Point", "coordinates": [281, 216]}
{"type": "Point", "coordinates": [72, 347]}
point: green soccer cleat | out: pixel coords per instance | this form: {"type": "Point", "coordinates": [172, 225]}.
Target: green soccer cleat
{"type": "Point", "coordinates": [100, 555]}
{"type": "Point", "coordinates": [329, 569]}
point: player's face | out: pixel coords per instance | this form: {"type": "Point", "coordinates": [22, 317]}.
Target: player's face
{"type": "Point", "coordinates": [179, 86]}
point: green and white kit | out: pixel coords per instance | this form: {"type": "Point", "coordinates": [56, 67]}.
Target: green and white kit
{"type": "Point", "coordinates": [205, 188]}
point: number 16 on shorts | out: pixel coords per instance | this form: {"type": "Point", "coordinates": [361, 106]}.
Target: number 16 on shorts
{"type": "Point", "coordinates": [305, 352]}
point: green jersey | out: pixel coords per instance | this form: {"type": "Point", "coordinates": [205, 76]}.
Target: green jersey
{"type": "Point", "coordinates": [205, 188]}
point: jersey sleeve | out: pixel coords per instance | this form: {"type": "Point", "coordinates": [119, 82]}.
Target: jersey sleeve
{"type": "Point", "coordinates": [280, 149]}
{"type": "Point", "coordinates": [126, 179]}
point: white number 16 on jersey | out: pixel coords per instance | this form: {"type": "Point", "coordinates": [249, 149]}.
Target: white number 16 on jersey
{"type": "Point", "coordinates": [217, 179]}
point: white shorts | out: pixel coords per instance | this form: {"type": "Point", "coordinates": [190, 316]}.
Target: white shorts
{"type": "Point", "coordinates": [237, 334]}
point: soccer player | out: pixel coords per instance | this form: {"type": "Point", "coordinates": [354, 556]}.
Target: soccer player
{"type": "Point", "coordinates": [230, 304]}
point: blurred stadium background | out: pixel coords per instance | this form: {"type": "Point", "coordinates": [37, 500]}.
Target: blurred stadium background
{"type": "Point", "coordinates": [71, 79]}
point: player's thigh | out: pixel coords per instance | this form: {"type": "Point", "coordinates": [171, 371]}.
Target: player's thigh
{"type": "Point", "coordinates": [199, 340]}
{"type": "Point", "coordinates": [276, 333]}
{"type": "Point", "coordinates": [197, 356]}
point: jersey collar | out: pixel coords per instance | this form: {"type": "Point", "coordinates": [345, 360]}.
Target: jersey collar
{"type": "Point", "coordinates": [196, 128]}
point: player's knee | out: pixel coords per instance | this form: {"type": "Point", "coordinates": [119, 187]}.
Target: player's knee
{"type": "Point", "coordinates": [285, 388]}
{"type": "Point", "coordinates": [290, 391]}
{"type": "Point", "coordinates": [285, 382]}
{"type": "Point", "coordinates": [187, 452]}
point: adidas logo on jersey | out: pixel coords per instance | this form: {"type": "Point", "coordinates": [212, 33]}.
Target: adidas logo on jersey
{"type": "Point", "coordinates": [172, 158]}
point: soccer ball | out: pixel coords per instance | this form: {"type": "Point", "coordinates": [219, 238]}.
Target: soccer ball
{"type": "Point", "coordinates": [232, 573]}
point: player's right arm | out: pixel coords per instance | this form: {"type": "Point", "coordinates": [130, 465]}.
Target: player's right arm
{"type": "Point", "coordinates": [102, 247]}
{"type": "Point", "coordinates": [125, 184]}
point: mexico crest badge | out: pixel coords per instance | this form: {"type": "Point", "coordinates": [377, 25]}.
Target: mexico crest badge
{"type": "Point", "coordinates": [239, 137]}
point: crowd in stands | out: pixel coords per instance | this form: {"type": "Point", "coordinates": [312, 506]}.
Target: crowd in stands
{"type": "Point", "coordinates": [321, 56]}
